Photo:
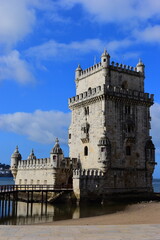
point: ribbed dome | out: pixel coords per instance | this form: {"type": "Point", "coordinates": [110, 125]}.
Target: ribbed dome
{"type": "Point", "coordinates": [79, 68]}
{"type": "Point", "coordinates": [104, 141]}
{"type": "Point", "coordinates": [105, 53]}
{"type": "Point", "coordinates": [16, 154]}
{"type": "Point", "coordinates": [56, 149]}
{"type": "Point", "coordinates": [31, 156]}
{"type": "Point", "coordinates": [140, 63]}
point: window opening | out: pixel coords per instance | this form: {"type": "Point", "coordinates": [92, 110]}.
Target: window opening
{"type": "Point", "coordinates": [86, 110]}
{"type": "Point", "coordinates": [103, 149]}
{"type": "Point", "coordinates": [85, 151]}
{"type": "Point", "coordinates": [128, 150]}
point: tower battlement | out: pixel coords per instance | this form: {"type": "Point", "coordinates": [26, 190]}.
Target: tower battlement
{"type": "Point", "coordinates": [112, 91]}
{"type": "Point", "coordinates": [93, 92]}
{"type": "Point", "coordinates": [87, 173]}
{"type": "Point", "coordinates": [113, 66]}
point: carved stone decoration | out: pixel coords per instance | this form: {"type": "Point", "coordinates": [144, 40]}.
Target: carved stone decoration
{"type": "Point", "coordinates": [85, 132]}
{"type": "Point", "coordinates": [104, 151]}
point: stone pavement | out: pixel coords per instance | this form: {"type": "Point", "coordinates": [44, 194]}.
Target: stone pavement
{"type": "Point", "coordinates": [97, 232]}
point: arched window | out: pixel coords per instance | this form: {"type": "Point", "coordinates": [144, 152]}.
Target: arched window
{"type": "Point", "coordinates": [128, 150]}
{"type": "Point", "coordinates": [85, 151]}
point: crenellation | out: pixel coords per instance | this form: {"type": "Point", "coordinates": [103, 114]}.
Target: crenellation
{"type": "Point", "coordinates": [87, 173]}
{"type": "Point", "coordinates": [111, 150]}
{"type": "Point", "coordinates": [111, 120]}
{"type": "Point", "coordinates": [123, 67]}
{"type": "Point", "coordinates": [90, 70]}
{"type": "Point", "coordinates": [86, 95]}
{"type": "Point", "coordinates": [112, 90]}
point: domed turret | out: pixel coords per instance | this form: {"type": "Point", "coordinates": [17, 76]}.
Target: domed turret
{"type": "Point", "coordinates": [56, 149]}
{"type": "Point", "coordinates": [78, 71]}
{"type": "Point", "coordinates": [32, 156]}
{"type": "Point", "coordinates": [15, 158]}
{"type": "Point", "coordinates": [105, 62]}
{"type": "Point", "coordinates": [56, 154]}
{"type": "Point", "coordinates": [140, 66]}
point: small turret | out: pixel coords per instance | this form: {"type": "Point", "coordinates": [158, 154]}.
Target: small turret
{"type": "Point", "coordinates": [32, 156]}
{"type": "Point", "coordinates": [78, 72]}
{"type": "Point", "coordinates": [56, 155]}
{"type": "Point", "coordinates": [15, 158]}
{"type": "Point", "coordinates": [104, 151]}
{"type": "Point", "coordinates": [140, 66]}
{"type": "Point", "coordinates": [105, 62]}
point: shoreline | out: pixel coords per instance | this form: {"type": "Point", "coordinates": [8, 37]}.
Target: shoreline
{"type": "Point", "coordinates": [139, 213]}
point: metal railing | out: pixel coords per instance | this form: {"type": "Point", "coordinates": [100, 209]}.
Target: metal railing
{"type": "Point", "coordinates": [38, 187]}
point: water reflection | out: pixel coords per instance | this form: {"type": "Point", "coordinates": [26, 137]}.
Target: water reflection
{"type": "Point", "coordinates": [22, 213]}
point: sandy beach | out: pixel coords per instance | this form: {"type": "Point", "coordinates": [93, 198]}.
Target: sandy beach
{"type": "Point", "coordinates": [140, 213]}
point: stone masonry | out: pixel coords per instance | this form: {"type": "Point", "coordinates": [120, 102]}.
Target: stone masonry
{"type": "Point", "coordinates": [109, 131]}
{"type": "Point", "coordinates": [111, 150]}
{"type": "Point", "coordinates": [55, 170]}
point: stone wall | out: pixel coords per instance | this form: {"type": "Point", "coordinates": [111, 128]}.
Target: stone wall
{"type": "Point", "coordinates": [114, 110]}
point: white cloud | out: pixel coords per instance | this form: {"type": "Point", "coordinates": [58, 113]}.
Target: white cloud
{"type": "Point", "coordinates": [150, 34]}
{"type": "Point", "coordinates": [155, 124]}
{"type": "Point", "coordinates": [117, 11]}
{"type": "Point", "coordinates": [63, 51]}
{"type": "Point", "coordinates": [13, 67]}
{"type": "Point", "coordinates": [16, 21]}
{"type": "Point", "coordinates": [18, 18]}
{"type": "Point", "coordinates": [40, 126]}
{"type": "Point", "coordinates": [53, 49]}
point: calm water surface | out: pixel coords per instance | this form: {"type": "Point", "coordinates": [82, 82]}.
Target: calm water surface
{"type": "Point", "coordinates": [20, 213]}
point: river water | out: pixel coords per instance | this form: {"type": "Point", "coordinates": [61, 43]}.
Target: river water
{"type": "Point", "coordinates": [21, 213]}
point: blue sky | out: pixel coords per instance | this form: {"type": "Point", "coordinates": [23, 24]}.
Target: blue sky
{"type": "Point", "coordinates": [41, 44]}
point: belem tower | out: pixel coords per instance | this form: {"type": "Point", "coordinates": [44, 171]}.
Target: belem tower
{"type": "Point", "coordinates": [111, 150]}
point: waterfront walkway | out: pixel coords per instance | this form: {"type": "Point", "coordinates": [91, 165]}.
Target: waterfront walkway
{"type": "Point", "coordinates": [98, 232]}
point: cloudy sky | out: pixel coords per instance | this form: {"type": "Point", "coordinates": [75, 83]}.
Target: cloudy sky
{"type": "Point", "coordinates": [41, 44]}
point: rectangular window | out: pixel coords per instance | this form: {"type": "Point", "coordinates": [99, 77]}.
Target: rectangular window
{"type": "Point", "coordinates": [103, 149]}
{"type": "Point", "coordinates": [127, 110]}
{"type": "Point", "coordinates": [128, 150]}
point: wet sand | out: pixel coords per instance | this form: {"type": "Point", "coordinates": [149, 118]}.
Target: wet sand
{"type": "Point", "coordinates": [140, 213]}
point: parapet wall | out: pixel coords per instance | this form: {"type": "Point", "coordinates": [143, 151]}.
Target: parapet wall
{"type": "Point", "coordinates": [42, 162]}
{"type": "Point", "coordinates": [114, 66]}
{"type": "Point", "coordinates": [38, 164]}
{"type": "Point", "coordinates": [92, 92]}
{"type": "Point", "coordinates": [95, 68]}
{"type": "Point", "coordinates": [114, 91]}
{"type": "Point", "coordinates": [77, 173]}
{"type": "Point", "coordinates": [131, 94]}
{"type": "Point", "coordinates": [123, 67]}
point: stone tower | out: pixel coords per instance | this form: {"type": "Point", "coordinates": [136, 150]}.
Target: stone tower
{"type": "Point", "coordinates": [109, 131]}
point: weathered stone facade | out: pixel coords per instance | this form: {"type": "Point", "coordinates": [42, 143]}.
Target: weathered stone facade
{"type": "Point", "coordinates": [55, 170]}
{"type": "Point", "coordinates": [111, 150]}
{"type": "Point", "coordinates": [109, 132]}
